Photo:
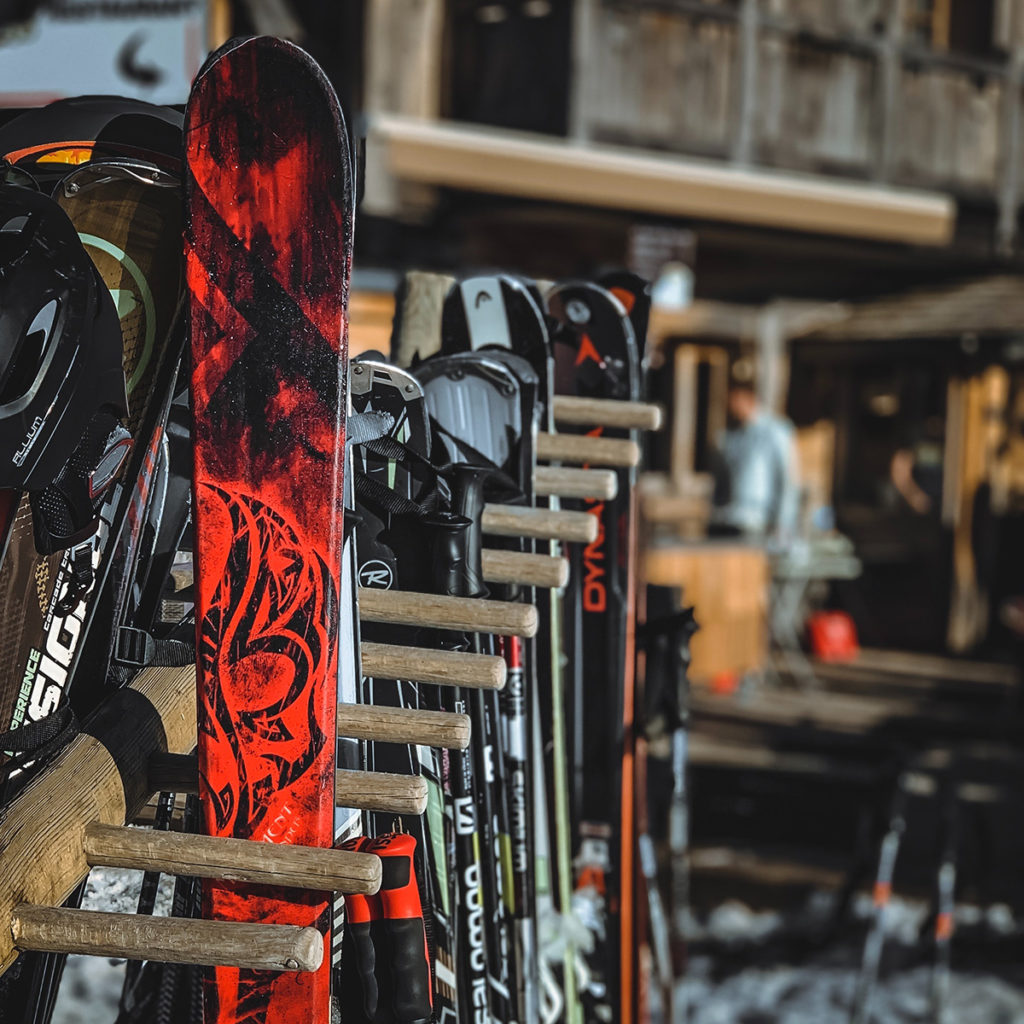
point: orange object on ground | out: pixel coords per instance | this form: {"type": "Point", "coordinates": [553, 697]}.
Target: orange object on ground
{"type": "Point", "coordinates": [833, 636]}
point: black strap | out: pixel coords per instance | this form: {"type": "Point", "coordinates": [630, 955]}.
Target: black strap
{"type": "Point", "coordinates": [81, 579]}
{"type": "Point", "coordinates": [135, 648]}
{"type": "Point", "coordinates": [36, 741]}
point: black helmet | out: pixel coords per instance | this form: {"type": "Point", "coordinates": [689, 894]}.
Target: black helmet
{"type": "Point", "coordinates": [62, 386]}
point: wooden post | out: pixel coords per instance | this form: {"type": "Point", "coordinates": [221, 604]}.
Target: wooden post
{"type": "Point", "coordinates": [239, 860]}
{"type": "Point", "coordinates": [433, 611]}
{"type": "Point", "coordinates": [260, 947]}
{"type": "Point", "coordinates": [99, 777]}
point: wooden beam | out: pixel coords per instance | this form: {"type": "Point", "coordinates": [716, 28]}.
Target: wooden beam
{"type": "Point", "coordinates": [539, 167]}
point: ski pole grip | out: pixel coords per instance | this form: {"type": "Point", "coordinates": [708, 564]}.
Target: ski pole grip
{"type": "Point", "coordinates": [573, 410]}
{"type": "Point", "coordinates": [402, 913]}
{"type": "Point", "coordinates": [467, 483]}
{"type": "Point", "coordinates": [358, 955]}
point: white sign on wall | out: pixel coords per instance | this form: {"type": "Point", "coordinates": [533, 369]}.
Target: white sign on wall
{"type": "Point", "coordinates": [147, 49]}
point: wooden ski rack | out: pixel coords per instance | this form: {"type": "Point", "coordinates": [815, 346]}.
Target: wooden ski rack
{"type": "Point", "coordinates": [72, 815]}
{"type": "Point", "coordinates": [524, 569]}
{"type": "Point", "coordinates": [539, 523]}
{"type": "Point", "coordinates": [570, 410]}
{"type": "Point", "coordinates": [434, 611]}
{"type": "Point", "coordinates": [381, 791]}
{"type": "Point", "coordinates": [583, 449]}
{"type": "Point", "coordinates": [366, 791]}
{"type": "Point", "coordinates": [263, 947]}
{"type": "Point", "coordinates": [423, 665]}
{"type": "Point", "coordinates": [445, 729]}
{"type": "Point", "coordinates": [562, 482]}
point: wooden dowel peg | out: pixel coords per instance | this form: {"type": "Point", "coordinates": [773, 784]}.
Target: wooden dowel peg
{"type": "Point", "coordinates": [175, 940]}
{"type": "Point", "coordinates": [563, 482]}
{"type": "Point", "coordinates": [367, 791]}
{"type": "Point", "coordinates": [524, 569]}
{"type": "Point", "coordinates": [433, 611]}
{"type": "Point", "coordinates": [539, 523]}
{"type": "Point", "coordinates": [422, 665]}
{"type": "Point", "coordinates": [381, 791]}
{"type": "Point", "coordinates": [445, 729]}
{"type": "Point", "coordinates": [572, 410]}
{"type": "Point", "coordinates": [239, 860]}
{"type": "Point", "coordinates": [595, 451]}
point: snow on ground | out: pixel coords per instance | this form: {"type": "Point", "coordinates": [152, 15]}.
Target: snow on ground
{"type": "Point", "coordinates": [91, 987]}
{"type": "Point", "coordinates": [735, 979]}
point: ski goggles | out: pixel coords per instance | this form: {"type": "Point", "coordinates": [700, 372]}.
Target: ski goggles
{"type": "Point", "coordinates": [58, 179]}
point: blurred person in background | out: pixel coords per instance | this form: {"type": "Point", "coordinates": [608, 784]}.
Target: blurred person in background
{"type": "Point", "coordinates": [757, 493]}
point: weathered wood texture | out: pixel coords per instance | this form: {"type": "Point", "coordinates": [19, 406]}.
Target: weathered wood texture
{"type": "Point", "coordinates": [539, 523]}
{"type": "Point", "coordinates": [445, 668]}
{"type": "Point", "coordinates": [445, 729]}
{"type": "Point", "coordinates": [99, 777]}
{"type": "Point", "coordinates": [564, 482]}
{"type": "Point", "coordinates": [369, 791]}
{"type": "Point", "coordinates": [581, 449]}
{"type": "Point", "coordinates": [239, 860]}
{"type": "Point", "coordinates": [274, 947]}
{"type": "Point", "coordinates": [608, 412]}
{"type": "Point", "coordinates": [525, 569]}
{"type": "Point", "coordinates": [381, 791]}
{"type": "Point", "coordinates": [672, 79]}
{"type": "Point", "coordinates": [433, 611]}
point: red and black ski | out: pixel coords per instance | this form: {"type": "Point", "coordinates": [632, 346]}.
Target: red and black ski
{"type": "Point", "coordinates": [268, 245]}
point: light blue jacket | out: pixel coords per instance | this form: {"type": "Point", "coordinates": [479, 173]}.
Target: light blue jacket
{"type": "Point", "coordinates": [756, 486]}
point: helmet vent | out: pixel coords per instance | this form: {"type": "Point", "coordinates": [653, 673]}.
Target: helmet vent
{"type": "Point", "coordinates": [22, 370]}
